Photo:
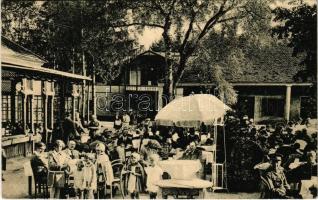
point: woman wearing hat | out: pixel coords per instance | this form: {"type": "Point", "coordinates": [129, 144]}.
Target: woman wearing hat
{"type": "Point", "coordinates": [276, 178]}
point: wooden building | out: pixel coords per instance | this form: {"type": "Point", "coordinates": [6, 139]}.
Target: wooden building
{"type": "Point", "coordinates": [267, 91]}
{"type": "Point", "coordinates": [34, 98]}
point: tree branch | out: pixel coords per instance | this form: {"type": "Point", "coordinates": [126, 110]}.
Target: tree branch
{"type": "Point", "coordinates": [137, 24]}
{"type": "Point", "coordinates": [187, 34]}
{"type": "Point", "coordinates": [229, 19]}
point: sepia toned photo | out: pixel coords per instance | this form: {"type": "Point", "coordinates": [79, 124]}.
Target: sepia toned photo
{"type": "Point", "coordinates": [159, 99]}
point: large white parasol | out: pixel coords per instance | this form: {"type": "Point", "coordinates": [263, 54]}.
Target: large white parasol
{"type": "Point", "coordinates": [191, 111]}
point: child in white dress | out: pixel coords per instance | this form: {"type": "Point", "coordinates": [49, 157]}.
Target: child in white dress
{"type": "Point", "coordinates": [154, 174]}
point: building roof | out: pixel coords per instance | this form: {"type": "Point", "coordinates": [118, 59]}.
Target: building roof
{"type": "Point", "coordinates": [17, 55]}
{"type": "Point", "coordinates": [270, 66]}
{"type": "Point", "coordinates": [17, 58]}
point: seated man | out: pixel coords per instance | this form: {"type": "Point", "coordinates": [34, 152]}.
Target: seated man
{"type": "Point", "coordinates": [39, 162]}
{"type": "Point", "coordinates": [276, 178]}
{"type": "Point", "coordinates": [125, 139]}
{"type": "Point", "coordinates": [70, 150]}
{"type": "Point", "coordinates": [192, 152]}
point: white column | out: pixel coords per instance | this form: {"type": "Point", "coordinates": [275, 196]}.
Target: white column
{"type": "Point", "coordinates": [52, 113]}
{"type": "Point", "coordinates": [24, 112]}
{"type": "Point", "coordinates": [287, 102]}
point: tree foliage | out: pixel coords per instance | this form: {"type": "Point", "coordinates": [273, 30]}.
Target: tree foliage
{"type": "Point", "coordinates": [64, 31]}
{"type": "Point", "coordinates": [185, 23]}
{"type": "Point", "coordinates": [298, 24]}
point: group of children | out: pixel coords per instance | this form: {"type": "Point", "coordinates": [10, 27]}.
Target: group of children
{"type": "Point", "coordinates": [136, 175]}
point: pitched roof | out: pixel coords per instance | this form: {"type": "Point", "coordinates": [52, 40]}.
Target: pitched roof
{"type": "Point", "coordinates": [15, 54]}
{"type": "Point", "coordinates": [17, 58]}
{"type": "Point", "coordinates": [270, 66]}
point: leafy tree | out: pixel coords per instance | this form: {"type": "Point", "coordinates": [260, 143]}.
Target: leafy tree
{"type": "Point", "coordinates": [71, 33]}
{"type": "Point", "coordinates": [18, 19]}
{"type": "Point", "coordinates": [186, 23]}
{"type": "Point", "coordinates": [298, 24]}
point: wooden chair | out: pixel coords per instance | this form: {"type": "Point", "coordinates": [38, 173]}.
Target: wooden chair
{"type": "Point", "coordinates": [101, 183]}
{"type": "Point", "coordinates": [40, 186]}
{"type": "Point", "coordinates": [117, 161]}
{"type": "Point", "coordinates": [40, 182]}
{"type": "Point", "coordinates": [117, 169]}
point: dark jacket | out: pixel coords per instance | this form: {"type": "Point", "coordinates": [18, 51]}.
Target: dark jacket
{"type": "Point", "coordinates": [124, 140]}
{"type": "Point", "coordinates": [69, 130]}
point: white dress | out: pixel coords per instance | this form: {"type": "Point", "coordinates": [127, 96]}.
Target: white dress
{"type": "Point", "coordinates": [105, 163]}
{"type": "Point", "coordinates": [154, 174]}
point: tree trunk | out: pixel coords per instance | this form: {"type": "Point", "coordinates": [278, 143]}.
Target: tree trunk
{"type": "Point", "coordinates": [168, 88]}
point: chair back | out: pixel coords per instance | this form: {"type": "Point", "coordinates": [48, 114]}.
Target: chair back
{"type": "Point", "coordinates": [117, 169]}
{"type": "Point", "coordinates": [117, 161]}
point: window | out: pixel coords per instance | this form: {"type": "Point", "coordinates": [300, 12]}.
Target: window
{"type": "Point", "coordinates": [77, 101]}
{"type": "Point", "coordinates": [49, 112]}
{"type": "Point", "coordinates": [6, 108]}
{"type": "Point", "coordinates": [68, 104]}
{"type": "Point", "coordinates": [134, 77]}
{"type": "Point", "coordinates": [273, 107]}
{"type": "Point", "coordinates": [38, 110]}
{"type": "Point", "coordinates": [57, 109]}
{"type": "Point", "coordinates": [18, 108]}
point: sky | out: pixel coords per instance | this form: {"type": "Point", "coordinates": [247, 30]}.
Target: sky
{"type": "Point", "coordinates": [152, 35]}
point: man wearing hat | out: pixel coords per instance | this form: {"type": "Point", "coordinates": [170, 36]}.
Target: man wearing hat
{"type": "Point", "coordinates": [276, 178]}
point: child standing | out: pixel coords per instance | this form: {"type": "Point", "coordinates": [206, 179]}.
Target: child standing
{"type": "Point", "coordinates": [154, 174]}
{"type": "Point", "coordinates": [134, 175]}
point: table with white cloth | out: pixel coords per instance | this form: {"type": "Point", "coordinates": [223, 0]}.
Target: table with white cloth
{"type": "Point", "coordinates": [306, 185]}
{"type": "Point", "coordinates": [188, 188]}
{"type": "Point", "coordinates": [181, 169]}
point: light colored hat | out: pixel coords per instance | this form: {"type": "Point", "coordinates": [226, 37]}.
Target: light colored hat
{"type": "Point", "coordinates": [101, 147]}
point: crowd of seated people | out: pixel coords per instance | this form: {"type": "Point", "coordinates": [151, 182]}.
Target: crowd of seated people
{"type": "Point", "coordinates": [289, 155]}
{"type": "Point", "coordinates": [138, 148]}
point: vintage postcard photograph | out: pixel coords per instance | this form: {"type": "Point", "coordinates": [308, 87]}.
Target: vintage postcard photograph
{"type": "Point", "coordinates": [159, 99]}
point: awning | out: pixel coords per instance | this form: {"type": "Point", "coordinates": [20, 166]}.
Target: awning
{"type": "Point", "coordinates": [47, 71]}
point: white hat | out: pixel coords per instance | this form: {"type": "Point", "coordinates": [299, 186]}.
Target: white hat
{"type": "Point", "coordinates": [100, 146]}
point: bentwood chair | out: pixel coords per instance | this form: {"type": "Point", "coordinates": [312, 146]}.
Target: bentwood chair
{"type": "Point", "coordinates": [117, 169]}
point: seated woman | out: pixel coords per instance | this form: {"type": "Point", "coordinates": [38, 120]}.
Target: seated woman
{"type": "Point", "coordinates": [57, 162]}
{"type": "Point", "coordinates": [104, 168]}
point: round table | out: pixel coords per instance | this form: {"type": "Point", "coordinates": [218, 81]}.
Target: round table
{"type": "Point", "coordinates": [181, 169]}
{"type": "Point", "coordinates": [189, 188]}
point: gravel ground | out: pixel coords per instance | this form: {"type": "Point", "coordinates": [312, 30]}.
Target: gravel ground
{"type": "Point", "coordinates": [15, 185]}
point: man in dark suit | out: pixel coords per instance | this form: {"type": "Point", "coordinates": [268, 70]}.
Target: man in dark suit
{"type": "Point", "coordinates": [69, 129]}
{"type": "Point", "coordinates": [39, 162]}
{"type": "Point", "coordinates": [124, 139]}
